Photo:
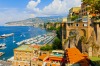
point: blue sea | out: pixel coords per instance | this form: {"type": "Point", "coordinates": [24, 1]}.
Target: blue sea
{"type": "Point", "coordinates": [20, 33]}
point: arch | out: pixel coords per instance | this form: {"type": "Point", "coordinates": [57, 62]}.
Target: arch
{"type": "Point", "coordinates": [73, 32]}
{"type": "Point", "coordinates": [82, 32]}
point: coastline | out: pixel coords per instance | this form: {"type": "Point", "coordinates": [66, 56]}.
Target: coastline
{"type": "Point", "coordinates": [17, 30]}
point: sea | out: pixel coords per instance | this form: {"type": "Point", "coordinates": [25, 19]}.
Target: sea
{"type": "Point", "coordinates": [20, 33]}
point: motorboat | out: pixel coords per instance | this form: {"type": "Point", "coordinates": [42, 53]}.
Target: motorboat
{"type": "Point", "coordinates": [7, 35]}
{"type": "Point", "coordinates": [2, 46]}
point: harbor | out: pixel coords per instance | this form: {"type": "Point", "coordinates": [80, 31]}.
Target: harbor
{"type": "Point", "coordinates": [40, 39]}
{"type": "Point", "coordinates": [20, 34]}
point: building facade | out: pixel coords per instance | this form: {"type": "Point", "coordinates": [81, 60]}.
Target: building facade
{"type": "Point", "coordinates": [23, 55]}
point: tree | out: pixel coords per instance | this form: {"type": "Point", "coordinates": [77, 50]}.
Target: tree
{"type": "Point", "coordinates": [57, 44]}
{"type": "Point", "coordinates": [74, 17]}
{"type": "Point", "coordinates": [95, 4]}
{"type": "Point", "coordinates": [52, 28]}
{"type": "Point", "coordinates": [59, 32]}
{"type": "Point", "coordinates": [46, 47]}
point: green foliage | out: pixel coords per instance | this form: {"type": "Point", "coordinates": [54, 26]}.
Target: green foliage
{"type": "Point", "coordinates": [83, 39]}
{"type": "Point", "coordinates": [46, 48]}
{"type": "Point", "coordinates": [57, 44]}
{"type": "Point", "coordinates": [52, 28]}
{"type": "Point", "coordinates": [95, 4]}
{"type": "Point", "coordinates": [74, 17]}
{"type": "Point", "coordinates": [59, 32]}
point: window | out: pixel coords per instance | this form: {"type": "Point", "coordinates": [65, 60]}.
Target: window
{"type": "Point", "coordinates": [84, 24]}
{"type": "Point", "coordinates": [77, 24]}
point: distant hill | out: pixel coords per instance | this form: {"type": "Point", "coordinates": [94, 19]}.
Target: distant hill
{"type": "Point", "coordinates": [33, 21]}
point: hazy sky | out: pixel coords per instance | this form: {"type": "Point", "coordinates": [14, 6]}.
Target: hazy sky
{"type": "Point", "coordinates": [12, 10]}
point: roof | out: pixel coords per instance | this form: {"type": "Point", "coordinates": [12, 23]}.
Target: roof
{"type": "Point", "coordinates": [43, 56]}
{"type": "Point", "coordinates": [58, 51]}
{"type": "Point", "coordinates": [36, 47]}
{"type": "Point", "coordinates": [25, 48]}
{"type": "Point", "coordinates": [54, 58]}
{"type": "Point", "coordinates": [74, 55]}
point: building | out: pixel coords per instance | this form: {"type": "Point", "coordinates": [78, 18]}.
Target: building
{"type": "Point", "coordinates": [83, 26]}
{"type": "Point", "coordinates": [55, 58]}
{"type": "Point", "coordinates": [74, 11]}
{"type": "Point", "coordinates": [23, 55]}
{"type": "Point", "coordinates": [85, 9]}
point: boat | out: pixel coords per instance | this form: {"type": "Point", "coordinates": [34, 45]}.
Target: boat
{"type": "Point", "coordinates": [13, 40]}
{"type": "Point", "coordinates": [2, 46]}
{"type": "Point", "coordinates": [1, 53]}
{"type": "Point", "coordinates": [7, 35]}
{"type": "Point", "coordinates": [1, 37]}
{"type": "Point", "coordinates": [29, 29]}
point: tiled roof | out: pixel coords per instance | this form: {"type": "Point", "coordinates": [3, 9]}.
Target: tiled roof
{"type": "Point", "coordinates": [43, 56]}
{"type": "Point", "coordinates": [54, 58]}
{"type": "Point", "coordinates": [75, 56]}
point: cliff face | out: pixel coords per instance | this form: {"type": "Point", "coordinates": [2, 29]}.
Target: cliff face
{"type": "Point", "coordinates": [86, 46]}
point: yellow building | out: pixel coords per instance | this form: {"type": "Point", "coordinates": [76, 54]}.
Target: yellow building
{"type": "Point", "coordinates": [23, 55]}
{"type": "Point", "coordinates": [74, 11]}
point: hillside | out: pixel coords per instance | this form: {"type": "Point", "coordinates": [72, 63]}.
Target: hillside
{"type": "Point", "coordinates": [34, 21]}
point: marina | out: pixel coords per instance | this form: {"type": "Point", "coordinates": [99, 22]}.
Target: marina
{"type": "Point", "coordinates": [22, 35]}
{"type": "Point", "coordinates": [40, 39]}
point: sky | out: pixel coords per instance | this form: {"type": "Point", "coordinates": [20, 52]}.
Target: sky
{"type": "Point", "coordinates": [15, 10]}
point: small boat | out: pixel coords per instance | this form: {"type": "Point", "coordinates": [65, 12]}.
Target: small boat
{"type": "Point", "coordinates": [21, 35]}
{"type": "Point", "coordinates": [7, 35]}
{"type": "Point", "coordinates": [2, 46]}
{"type": "Point", "coordinates": [13, 40]}
{"type": "Point", "coordinates": [1, 53]}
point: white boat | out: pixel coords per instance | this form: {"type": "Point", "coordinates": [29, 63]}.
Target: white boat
{"type": "Point", "coordinates": [7, 35]}
{"type": "Point", "coordinates": [29, 29]}
{"type": "Point", "coordinates": [2, 46]}
{"type": "Point", "coordinates": [13, 40]}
